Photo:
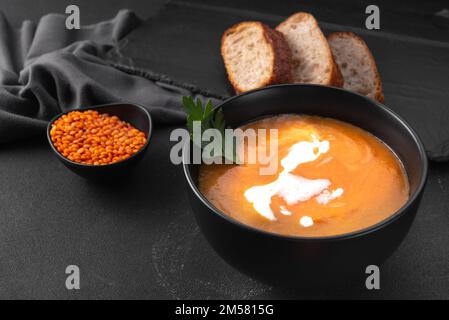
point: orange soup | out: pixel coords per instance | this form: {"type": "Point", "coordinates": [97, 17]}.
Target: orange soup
{"type": "Point", "coordinates": [331, 178]}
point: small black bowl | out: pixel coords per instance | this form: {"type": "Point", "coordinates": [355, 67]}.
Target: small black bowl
{"type": "Point", "coordinates": [134, 114]}
{"type": "Point", "coordinates": [294, 261]}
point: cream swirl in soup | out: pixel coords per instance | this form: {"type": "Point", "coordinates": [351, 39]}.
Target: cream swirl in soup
{"type": "Point", "coordinates": [332, 178]}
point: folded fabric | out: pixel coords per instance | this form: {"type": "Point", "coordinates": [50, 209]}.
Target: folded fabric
{"type": "Point", "coordinates": [46, 69]}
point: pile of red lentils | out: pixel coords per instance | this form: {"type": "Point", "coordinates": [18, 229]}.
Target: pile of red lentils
{"type": "Point", "coordinates": [92, 138]}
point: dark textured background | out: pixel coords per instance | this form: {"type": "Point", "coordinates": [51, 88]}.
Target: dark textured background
{"type": "Point", "coordinates": [413, 63]}
{"type": "Point", "coordinates": [137, 238]}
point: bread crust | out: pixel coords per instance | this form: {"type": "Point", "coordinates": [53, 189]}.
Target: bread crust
{"type": "Point", "coordinates": [282, 64]}
{"type": "Point", "coordinates": [281, 61]}
{"type": "Point", "coordinates": [335, 77]}
{"type": "Point", "coordinates": [378, 95]}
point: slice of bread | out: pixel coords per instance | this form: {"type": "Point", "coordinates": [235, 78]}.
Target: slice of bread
{"type": "Point", "coordinates": [312, 57]}
{"type": "Point", "coordinates": [255, 56]}
{"type": "Point", "coordinates": [357, 64]}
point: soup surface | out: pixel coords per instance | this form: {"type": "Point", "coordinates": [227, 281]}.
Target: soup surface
{"type": "Point", "coordinates": [330, 178]}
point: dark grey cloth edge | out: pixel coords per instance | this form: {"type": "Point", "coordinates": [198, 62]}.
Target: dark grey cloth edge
{"type": "Point", "coordinates": [46, 69]}
{"type": "Point", "coordinates": [159, 77]}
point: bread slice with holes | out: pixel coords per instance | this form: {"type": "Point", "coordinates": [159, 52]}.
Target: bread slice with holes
{"type": "Point", "coordinates": [312, 57]}
{"type": "Point", "coordinates": [255, 56]}
{"type": "Point", "coordinates": [356, 64]}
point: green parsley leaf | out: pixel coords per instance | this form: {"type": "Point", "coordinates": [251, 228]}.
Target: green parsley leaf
{"type": "Point", "coordinates": [209, 118]}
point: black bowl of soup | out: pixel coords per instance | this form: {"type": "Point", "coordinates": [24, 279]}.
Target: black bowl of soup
{"type": "Point", "coordinates": [349, 179]}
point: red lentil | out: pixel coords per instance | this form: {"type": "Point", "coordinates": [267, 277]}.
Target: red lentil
{"type": "Point", "coordinates": [92, 138]}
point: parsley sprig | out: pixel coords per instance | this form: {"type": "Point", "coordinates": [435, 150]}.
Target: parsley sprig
{"type": "Point", "coordinates": [210, 118]}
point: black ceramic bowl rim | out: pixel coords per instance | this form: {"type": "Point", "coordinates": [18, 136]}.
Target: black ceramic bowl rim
{"type": "Point", "coordinates": [344, 236]}
{"type": "Point", "coordinates": [110, 165]}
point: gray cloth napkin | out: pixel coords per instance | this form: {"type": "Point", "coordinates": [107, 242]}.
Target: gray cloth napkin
{"type": "Point", "coordinates": [46, 69]}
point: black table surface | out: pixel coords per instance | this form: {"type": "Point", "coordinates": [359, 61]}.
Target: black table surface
{"type": "Point", "coordinates": [197, 26]}
{"type": "Point", "coordinates": [137, 238]}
